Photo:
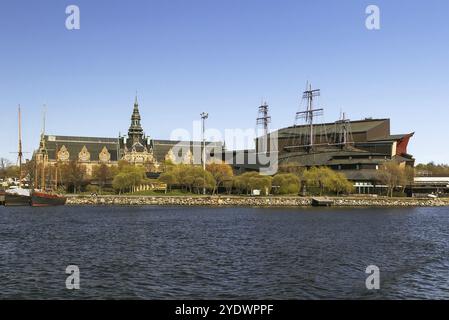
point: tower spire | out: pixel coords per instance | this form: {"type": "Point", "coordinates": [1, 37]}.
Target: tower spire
{"type": "Point", "coordinates": [135, 132]}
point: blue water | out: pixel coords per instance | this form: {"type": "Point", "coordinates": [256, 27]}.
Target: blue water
{"type": "Point", "coordinates": [223, 253]}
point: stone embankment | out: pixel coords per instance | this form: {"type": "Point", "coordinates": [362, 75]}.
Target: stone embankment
{"type": "Point", "coordinates": [233, 201]}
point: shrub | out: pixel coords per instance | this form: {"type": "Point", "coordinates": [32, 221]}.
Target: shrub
{"type": "Point", "coordinates": [326, 180]}
{"type": "Point", "coordinates": [286, 183]}
{"type": "Point", "coordinates": [188, 177]}
{"type": "Point", "coordinates": [249, 181]}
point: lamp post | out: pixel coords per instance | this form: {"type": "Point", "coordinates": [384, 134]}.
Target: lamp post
{"type": "Point", "coordinates": [204, 116]}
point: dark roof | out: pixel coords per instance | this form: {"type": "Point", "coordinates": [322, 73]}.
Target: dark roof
{"type": "Point", "coordinates": [95, 145]}
{"type": "Point", "coordinates": [80, 139]}
{"type": "Point", "coordinates": [198, 143]}
{"type": "Point", "coordinates": [392, 137]}
{"type": "Point", "coordinates": [331, 127]}
{"type": "Point", "coordinates": [74, 146]}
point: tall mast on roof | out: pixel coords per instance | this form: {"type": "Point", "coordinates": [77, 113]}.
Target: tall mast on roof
{"type": "Point", "coordinates": [343, 132]}
{"type": "Point", "coordinates": [311, 112]}
{"type": "Point", "coordinates": [263, 120]}
{"type": "Point", "coordinates": [43, 149]}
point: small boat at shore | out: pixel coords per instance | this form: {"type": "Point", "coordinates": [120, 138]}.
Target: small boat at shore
{"type": "Point", "coordinates": [322, 202]}
{"type": "Point", "coordinates": [15, 197]}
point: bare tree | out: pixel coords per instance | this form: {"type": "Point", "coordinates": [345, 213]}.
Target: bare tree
{"type": "Point", "coordinates": [393, 176]}
{"type": "Point", "coordinates": [7, 169]}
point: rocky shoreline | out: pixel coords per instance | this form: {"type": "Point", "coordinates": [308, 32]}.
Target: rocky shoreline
{"type": "Point", "coordinates": [234, 201]}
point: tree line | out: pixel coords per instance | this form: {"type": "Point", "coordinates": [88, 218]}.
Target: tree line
{"type": "Point", "coordinates": [432, 169]}
{"type": "Point", "coordinates": [291, 179]}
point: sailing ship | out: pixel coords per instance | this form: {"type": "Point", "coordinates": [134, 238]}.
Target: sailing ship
{"type": "Point", "coordinates": [45, 197]}
{"type": "Point", "coordinates": [18, 196]}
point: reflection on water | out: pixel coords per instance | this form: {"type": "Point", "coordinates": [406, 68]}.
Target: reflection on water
{"type": "Point", "coordinates": [223, 253]}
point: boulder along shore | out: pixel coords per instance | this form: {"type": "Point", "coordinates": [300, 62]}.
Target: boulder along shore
{"type": "Point", "coordinates": [236, 201]}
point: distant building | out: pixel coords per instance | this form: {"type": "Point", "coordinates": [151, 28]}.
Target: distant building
{"type": "Point", "coordinates": [369, 144]}
{"type": "Point", "coordinates": [135, 148]}
{"type": "Point", "coordinates": [355, 148]}
{"type": "Point", "coordinates": [431, 185]}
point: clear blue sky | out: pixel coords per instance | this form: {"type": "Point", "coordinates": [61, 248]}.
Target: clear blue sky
{"type": "Point", "coordinates": [222, 56]}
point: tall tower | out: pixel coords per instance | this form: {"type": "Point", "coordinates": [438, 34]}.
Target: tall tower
{"type": "Point", "coordinates": [137, 148]}
{"type": "Point", "coordinates": [263, 120]}
{"type": "Point", "coordinates": [135, 132]}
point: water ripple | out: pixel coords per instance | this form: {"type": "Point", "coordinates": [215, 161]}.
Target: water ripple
{"type": "Point", "coordinates": [223, 253]}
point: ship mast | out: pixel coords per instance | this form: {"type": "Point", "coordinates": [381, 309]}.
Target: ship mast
{"type": "Point", "coordinates": [43, 152]}
{"type": "Point", "coordinates": [56, 173]}
{"type": "Point", "coordinates": [20, 153]}
{"type": "Point", "coordinates": [310, 112]}
{"type": "Point", "coordinates": [343, 131]}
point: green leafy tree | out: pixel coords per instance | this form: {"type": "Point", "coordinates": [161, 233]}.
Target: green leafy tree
{"type": "Point", "coordinates": [339, 184]}
{"type": "Point", "coordinates": [286, 183]}
{"type": "Point", "coordinates": [250, 181]}
{"type": "Point", "coordinates": [128, 177]}
{"type": "Point", "coordinates": [262, 183]}
{"type": "Point", "coordinates": [325, 180]}
{"type": "Point", "coordinates": [189, 178]}
{"type": "Point", "coordinates": [121, 183]}
{"type": "Point", "coordinates": [221, 172]}
{"type": "Point", "coordinates": [169, 178]}
{"type": "Point", "coordinates": [239, 184]}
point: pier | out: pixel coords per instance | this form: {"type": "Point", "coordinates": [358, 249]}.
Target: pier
{"type": "Point", "coordinates": [322, 202]}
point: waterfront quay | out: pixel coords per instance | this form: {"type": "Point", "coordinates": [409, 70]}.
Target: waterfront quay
{"type": "Point", "coordinates": [237, 201]}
